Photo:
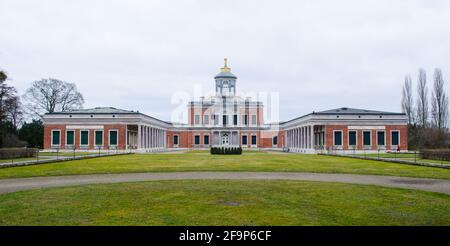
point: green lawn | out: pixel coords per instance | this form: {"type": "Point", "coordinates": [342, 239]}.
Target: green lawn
{"type": "Point", "coordinates": [219, 202]}
{"type": "Point", "coordinates": [203, 161]}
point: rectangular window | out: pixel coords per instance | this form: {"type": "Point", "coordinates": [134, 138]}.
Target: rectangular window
{"type": "Point", "coordinates": [395, 138]}
{"type": "Point", "coordinates": [366, 138]}
{"type": "Point", "coordinates": [197, 140]}
{"type": "Point", "coordinates": [98, 138]}
{"type": "Point", "coordinates": [56, 137]}
{"type": "Point", "coordinates": [175, 140]}
{"type": "Point", "coordinates": [244, 140]}
{"type": "Point", "coordinates": [352, 138]}
{"type": "Point", "coordinates": [225, 120]}
{"type": "Point", "coordinates": [244, 120]}
{"type": "Point", "coordinates": [337, 138]}
{"type": "Point", "coordinates": [206, 139]}
{"type": "Point", "coordinates": [206, 119]}
{"type": "Point", "coordinates": [275, 140]}
{"type": "Point", "coordinates": [380, 138]}
{"type": "Point", "coordinates": [216, 119]}
{"type": "Point", "coordinates": [235, 119]}
{"type": "Point", "coordinates": [197, 119]}
{"type": "Point", "coordinates": [113, 138]}
{"type": "Point", "coordinates": [253, 119]}
{"type": "Point", "coordinates": [70, 137]}
{"type": "Point", "coordinates": [253, 139]}
{"type": "Point", "coordinates": [84, 137]}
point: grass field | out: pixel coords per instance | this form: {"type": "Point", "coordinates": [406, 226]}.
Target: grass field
{"type": "Point", "coordinates": [224, 203]}
{"type": "Point", "coordinates": [203, 161]}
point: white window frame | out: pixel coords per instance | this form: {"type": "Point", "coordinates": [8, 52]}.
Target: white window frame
{"type": "Point", "coordinates": [399, 137]}
{"type": "Point", "coordinates": [348, 138]}
{"type": "Point", "coordinates": [109, 137]}
{"type": "Point", "coordinates": [199, 140]}
{"type": "Point", "coordinates": [209, 139]}
{"type": "Point", "coordinates": [244, 122]}
{"type": "Point", "coordinates": [103, 137]}
{"type": "Point", "coordinates": [87, 138]}
{"type": "Point", "coordinates": [178, 140]}
{"type": "Point", "coordinates": [56, 145]}
{"type": "Point", "coordinates": [227, 121]}
{"type": "Point", "coordinates": [237, 119]}
{"type": "Point", "coordinates": [216, 119]}
{"type": "Point", "coordinates": [205, 119]}
{"type": "Point", "coordinates": [370, 138]}
{"type": "Point", "coordinates": [384, 138]}
{"type": "Point", "coordinates": [274, 144]}
{"type": "Point", "coordinates": [251, 137]}
{"type": "Point", "coordinates": [256, 120]}
{"type": "Point", "coordinates": [71, 145]}
{"type": "Point", "coordinates": [242, 135]}
{"type": "Point", "coordinates": [197, 119]}
{"type": "Point", "coordinates": [342, 137]}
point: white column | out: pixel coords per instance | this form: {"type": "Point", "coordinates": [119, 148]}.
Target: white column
{"type": "Point", "coordinates": [312, 136]}
{"type": "Point", "coordinates": [148, 137]}
{"type": "Point", "coordinates": [289, 139]}
{"type": "Point", "coordinates": [165, 139]}
{"type": "Point", "coordinates": [303, 138]}
{"type": "Point", "coordinates": [306, 137]}
{"type": "Point", "coordinates": [154, 138]}
{"type": "Point", "coordinates": [139, 137]}
{"type": "Point", "coordinates": [159, 138]}
{"type": "Point", "coordinates": [300, 137]}
{"type": "Point", "coordinates": [296, 138]}
{"type": "Point", "coordinates": [145, 137]}
{"type": "Point", "coordinates": [152, 135]}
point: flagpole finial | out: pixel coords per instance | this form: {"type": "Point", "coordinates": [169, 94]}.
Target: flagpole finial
{"type": "Point", "coordinates": [225, 67]}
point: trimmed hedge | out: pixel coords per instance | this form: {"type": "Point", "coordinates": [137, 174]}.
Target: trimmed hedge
{"type": "Point", "coordinates": [226, 150]}
{"type": "Point", "coordinates": [436, 154]}
{"type": "Point", "coordinates": [10, 153]}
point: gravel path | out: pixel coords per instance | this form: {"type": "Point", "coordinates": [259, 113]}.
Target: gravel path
{"type": "Point", "coordinates": [435, 185]}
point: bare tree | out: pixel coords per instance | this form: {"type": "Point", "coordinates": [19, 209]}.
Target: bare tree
{"type": "Point", "coordinates": [52, 95]}
{"type": "Point", "coordinates": [438, 101]}
{"type": "Point", "coordinates": [407, 100]}
{"type": "Point", "coordinates": [422, 99]}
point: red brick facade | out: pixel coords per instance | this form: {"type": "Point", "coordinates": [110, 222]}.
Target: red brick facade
{"type": "Point", "coordinates": [121, 134]}
{"type": "Point", "coordinates": [402, 129]}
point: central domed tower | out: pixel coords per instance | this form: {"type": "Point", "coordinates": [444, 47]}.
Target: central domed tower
{"type": "Point", "coordinates": [225, 82]}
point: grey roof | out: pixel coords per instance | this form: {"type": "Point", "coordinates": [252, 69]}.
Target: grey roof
{"type": "Point", "coordinates": [355, 111]}
{"type": "Point", "coordinates": [98, 110]}
{"type": "Point", "coordinates": [225, 75]}
{"type": "Point", "coordinates": [345, 111]}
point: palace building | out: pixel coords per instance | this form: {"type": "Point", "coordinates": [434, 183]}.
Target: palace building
{"type": "Point", "coordinates": [226, 119]}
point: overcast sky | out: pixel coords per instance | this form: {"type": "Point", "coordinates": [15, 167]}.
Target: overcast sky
{"type": "Point", "coordinates": [317, 54]}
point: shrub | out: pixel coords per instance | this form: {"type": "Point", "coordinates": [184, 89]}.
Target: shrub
{"type": "Point", "coordinates": [436, 154]}
{"type": "Point", "coordinates": [9, 153]}
{"type": "Point", "coordinates": [226, 150]}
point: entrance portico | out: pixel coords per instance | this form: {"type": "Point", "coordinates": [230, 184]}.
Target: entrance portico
{"type": "Point", "coordinates": [225, 138]}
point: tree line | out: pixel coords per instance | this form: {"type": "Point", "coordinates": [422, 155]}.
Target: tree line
{"type": "Point", "coordinates": [428, 117]}
{"type": "Point", "coordinates": [21, 116]}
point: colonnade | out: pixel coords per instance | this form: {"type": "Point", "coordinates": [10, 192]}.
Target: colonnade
{"type": "Point", "coordinates": [300, 138]}
{"type": "Point", "coordinates": [151, 138]}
